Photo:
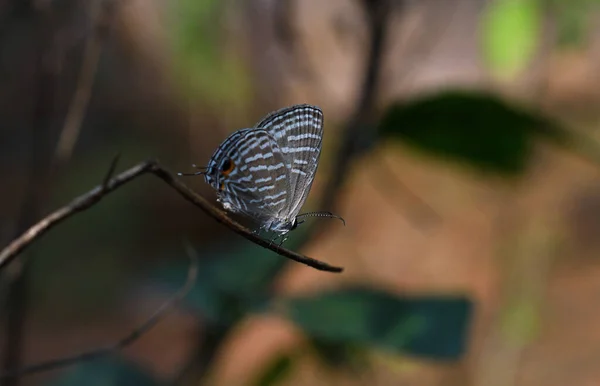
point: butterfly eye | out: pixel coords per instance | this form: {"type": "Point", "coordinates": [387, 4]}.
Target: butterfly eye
{"type": "Point", "coordinates": [227, 166]}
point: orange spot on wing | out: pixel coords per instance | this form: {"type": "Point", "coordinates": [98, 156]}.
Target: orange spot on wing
{"type": "Point", "coordinates": [228, 167]}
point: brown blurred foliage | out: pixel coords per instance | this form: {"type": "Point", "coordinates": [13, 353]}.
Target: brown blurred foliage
{"type": "Point", "coordinates": [526, 251]}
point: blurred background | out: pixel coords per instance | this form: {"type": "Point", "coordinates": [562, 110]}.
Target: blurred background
{"type": "Point", "coordinates": [461, 146]}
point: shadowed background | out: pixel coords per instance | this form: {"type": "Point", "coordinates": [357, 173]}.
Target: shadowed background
{"type": "Point", "coordinates": [460, 146]}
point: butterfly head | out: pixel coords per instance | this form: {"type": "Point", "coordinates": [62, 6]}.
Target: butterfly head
{"type": "Point", "coordinates": [216, 173]}
{"type": "Point", "coordinates": [202, 171]}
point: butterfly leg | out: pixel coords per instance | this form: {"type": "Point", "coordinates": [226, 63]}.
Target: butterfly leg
{"type": "Point", "coordinates": [282, 241]}
{"type": "Point", "coordinates": [273, 239]}
{"type": "Point", "coordinates": [284, 237]}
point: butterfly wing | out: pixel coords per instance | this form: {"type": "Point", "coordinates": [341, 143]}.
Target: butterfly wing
{"type": "Point", "coordinates": [248, 171]}
{"type": "Point", "coordinates": [298, 131]}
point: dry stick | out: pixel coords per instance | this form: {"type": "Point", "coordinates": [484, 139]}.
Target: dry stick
{"type": "Point", "coordinates": [101, 12]}
{"type": "Point", "coordinates": [18, 299]}
{"type": "Point", "coordinates": [124, 342]}
{"type": "Point", "coordinates": [354, 134]}
{"type": "Point", "coordinates": [92, 197]}
{"type": "Point", "coordinates": [391, 186]}
{"type": "Point", "coordinates": [45, 77]}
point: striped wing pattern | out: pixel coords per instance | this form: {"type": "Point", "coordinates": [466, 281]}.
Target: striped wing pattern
{"type": "Point", "coordinates": [298, 131]}
{"type": "Point", "coordinates": [255, 182]}
{"type": "Point", "coordinates": [266, 172]}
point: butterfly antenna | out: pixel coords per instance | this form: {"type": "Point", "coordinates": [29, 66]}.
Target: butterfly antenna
{"type": "Point", "coordinates": [202, 172]}
{"type": "Point", "coordinates": [321, 214]}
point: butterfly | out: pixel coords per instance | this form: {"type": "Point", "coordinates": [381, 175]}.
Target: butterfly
{"type": "Point", "coordinates": [266, 172]}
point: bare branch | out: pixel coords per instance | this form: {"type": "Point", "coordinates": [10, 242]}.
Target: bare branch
{"type": "Point", "coordinates": [101, 11]}
{"type": "Point", "coordinates": [355, 135]}
{"type": "Point", "coordinates": [122, 343]}
{"type": "Point", "coordinates": [390, 187]}
{"type": "Point", "coordinates": [42, 171]}
{"type": "Point", "coordinates": [111, 172]}
{"type": "Point", "coordinates": [90, 198]}
{"type": "Point", "coordinates": [45, 78]}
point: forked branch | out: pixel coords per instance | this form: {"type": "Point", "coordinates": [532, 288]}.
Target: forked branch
{"type": "Point", "coordinates": [110, 184]}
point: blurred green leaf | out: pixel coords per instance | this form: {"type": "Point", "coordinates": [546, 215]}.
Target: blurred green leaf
{"type": "Point", "coordinates": [233, 279]}
{"type": "Point", "coordinates": [203, 65]}
{"type": "Point", "coordinates": [521, 321]}
{"type": "Point", "coordinates": [105, 372]}
{"type": "Point", "coordinates": [434, 327]}
{"type": "Point", "coordinates": [276, 372]}
{"type": "Point", "coordinates": [479, 129]}
{"type": "Point", "coordinates": [510, 32]}
{"type": "Point", "coordinates": [572, 19]}
{"type": "Point", "coordinates": [87, 250]}
{"type": "Point", "coordinates": [339, 354]}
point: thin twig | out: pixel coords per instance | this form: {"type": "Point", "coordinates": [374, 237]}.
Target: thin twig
{"type": "Point", "coordinates": [43, 107]}
{"type": "Point", "coordinates": [111, 172]}
{"type": "Point", "coordinates": [390, 186]}
{"type": "Point", "coordinates": [355, 135]}
{"type": "Point", "coordinates": [133, 336]}
{"type": "Point", "coordinates": [101, 22]}
{"type": "Point", "coordinates": [93, 196]}
{"type": "Point", "coordinates": [43, 171]}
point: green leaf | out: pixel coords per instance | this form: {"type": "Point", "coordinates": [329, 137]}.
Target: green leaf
{"type": "Point", "coordinates": [233, 279]}
{"type": "Point", "coordinates": [339, 354]}
{"type": "Point", "coordinates": [478, 129]}
{"type": "Point", "coordinates": [203, 66]}
{"type": "Point", "coordinates": [276, 372]}
{"type": "Point", "coordinates": [572, 18]}
{"type": "Point", "coordinates": [520, 321]}
{"type": "Point", "coordinates": [435, 327]}
{"type": "Point", "coordinates": [105, 372]}
{"type": "Point", "coordinates": [510, 32]}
